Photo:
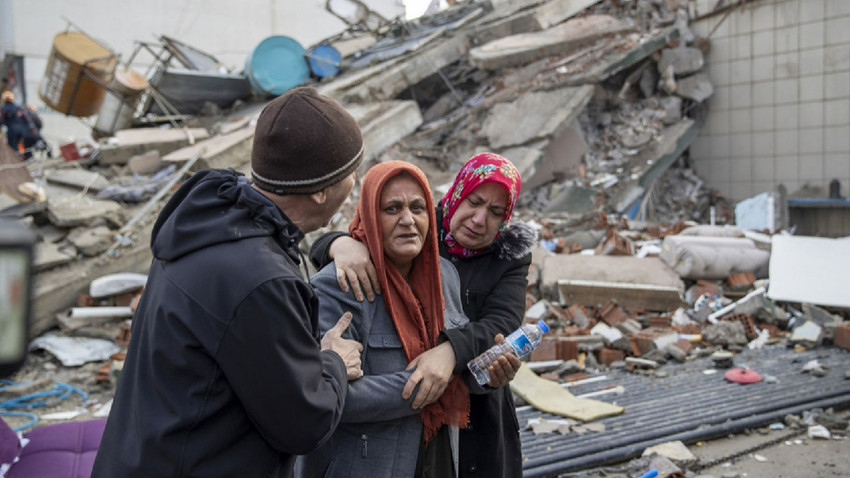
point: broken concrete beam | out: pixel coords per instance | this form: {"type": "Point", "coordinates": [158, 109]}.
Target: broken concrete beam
{"type": "Point", "coordinates": [559, 40]}
{"type": "Point", "coordinates": [556, 11]}
{"type": "Point", "coordinates": [809, 269]}
{"type": "Point", "coordinates": [545, 114]}
{"type": "Point", "coordinates": [514, 24]}
{"type": "Point", "coordinates": [222, 151]}
{"type": "Point", "coordinates": [78, 178]}
{"type": "Point", "coordinates": [696, 257]}
{"type": "Point", "coordinates": [385, 123]}
{"type": "Point", "coordinates": [669, 146]}
{"type": "Point", "coordinates": [131, 142]}
{"type": "Point", "coordinates": [645, 283]}
{"type": "Point", "coordinates": [617, 59]}
{"type": "Point", "coordinates": [386, 80]}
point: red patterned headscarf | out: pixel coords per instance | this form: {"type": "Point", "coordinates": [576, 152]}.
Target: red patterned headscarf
{"type": "Point", "coordinates": [416, 305]}
{"type": "Point", "coordinates": [481, 168]}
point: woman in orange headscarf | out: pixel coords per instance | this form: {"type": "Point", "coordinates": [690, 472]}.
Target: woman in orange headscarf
{"type": "Point", "coordinates": [381, 433]}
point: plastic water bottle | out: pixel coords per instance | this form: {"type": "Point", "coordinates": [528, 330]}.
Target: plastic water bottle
{"type": "Point", "coordinates": [520, 343]}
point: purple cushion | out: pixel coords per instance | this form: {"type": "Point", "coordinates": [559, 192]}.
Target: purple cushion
{"type": "Point", "coordinates": [10, 445]}
{"type": "Point", "coordinates": [64, 450]}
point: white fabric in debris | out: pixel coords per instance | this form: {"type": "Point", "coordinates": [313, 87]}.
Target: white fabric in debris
{"type": "Point", "coordinates": [696, 257]}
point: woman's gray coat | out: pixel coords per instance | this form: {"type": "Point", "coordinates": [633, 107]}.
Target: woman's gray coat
{"type": "Point", "coordinates": [379, 434]}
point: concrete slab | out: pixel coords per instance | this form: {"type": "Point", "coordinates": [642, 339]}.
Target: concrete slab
{"type": "Point", "coordinates": [221, 151]}
{"type": "Point", "coordinates": [78, 178]}
{"type": "Point", "coordinates": [385, 123]}
{"type": "Point", "coordinates": [556, 11]}
{"type": "Point", "coordinates": [629, 281]}
{"type": "Point", "coordinates": [617, 58]}
{"type": "Point", "coordinates": [562, 157]}
{"type": "Point", "coordinates": [79, 210]}
{"type": "Point", "coordinates": [386, 80]}
{"type": "Point", "coordinates": [559, 40]}
{"type": "Point", "coordinates": [49, 255]}
{"type": "Point", "coordinates": [545, 114]}
{"type": "Point", "coordinates": [809, 269]}
{"type": "Point", "coordinates": [527, 162]}
{"type": "Point", "coordinates": [131, 142]}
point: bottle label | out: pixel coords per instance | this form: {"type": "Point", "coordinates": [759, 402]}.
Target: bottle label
{"type": "Point", "coordinates": [521, 344]}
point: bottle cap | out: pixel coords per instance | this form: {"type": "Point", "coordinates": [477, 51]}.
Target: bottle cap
{"type": "Point", "coordinates": [543, 325]}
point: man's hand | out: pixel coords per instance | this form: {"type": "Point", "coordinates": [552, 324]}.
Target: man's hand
{"type": "Point", "coordinates": [353, 265]}
{"type": "Point", "coordinates": [434, 370]}
{"type": "Point", "coordinates": [348, 349]}
{"type": "Point", "coordinates": [504, 369]}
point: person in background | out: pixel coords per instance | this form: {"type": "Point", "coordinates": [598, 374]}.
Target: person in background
{"type": "Point", "coordinates": [12, 117]}
{"type": "Point", "coordinates": [382, 433]}
{"type": "Point", "coordinates": [32, 138]}
{"type": "Point", "coordinates": [492, 258]}
{"type": "Point", "coordinates": [226, 374]}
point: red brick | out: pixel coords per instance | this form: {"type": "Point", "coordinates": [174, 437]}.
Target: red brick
{"type": "Point", "coordinates": [685, 345]}
{"type": "Point", "coordinates": [567, 349]}
{"type": "Point", "coordinates": [608, 356]}
{"type": "Point", "coordinates": [547, 350]}
{"type": "Point", "coordinates": [841, 337]}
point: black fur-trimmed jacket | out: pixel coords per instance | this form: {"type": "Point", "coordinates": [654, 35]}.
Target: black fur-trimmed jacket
{"type": "Point", "coordinates": [493, 287]}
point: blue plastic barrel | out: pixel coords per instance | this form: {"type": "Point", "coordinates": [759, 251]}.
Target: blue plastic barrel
{"type": "Point", "coordinates": [324, 60]}
{"type": "Point", "coordinates": [276, 65]}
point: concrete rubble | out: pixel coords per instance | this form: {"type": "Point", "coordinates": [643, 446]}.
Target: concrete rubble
{"type": "Point", "coordinates": [596, 102]}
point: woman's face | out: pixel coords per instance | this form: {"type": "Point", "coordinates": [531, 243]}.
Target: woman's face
{"type": "Point", "coordinates": [404, 220]}
{"type": "Point", "coordinates": [477, 218]}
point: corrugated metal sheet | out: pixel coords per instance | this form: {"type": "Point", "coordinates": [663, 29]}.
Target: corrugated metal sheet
{"type": "Point", "coordinates": [688, 405]}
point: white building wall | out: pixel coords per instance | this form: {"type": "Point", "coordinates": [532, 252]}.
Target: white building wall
{"type": "Point", "coordinates": [226, 29]}
{"type": "Point", "coordinates": [780, 113]}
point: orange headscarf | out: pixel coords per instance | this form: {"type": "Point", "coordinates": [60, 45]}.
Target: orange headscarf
{"type": "Point", "coordinates": [416, 307]}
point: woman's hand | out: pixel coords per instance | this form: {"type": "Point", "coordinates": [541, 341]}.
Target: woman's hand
{"type": "Point", "coordinates": [434, 370]}
{"type": "Point", "coordinates": [353, 265]}
{"type": "Point", "coordinates": [504, 369]}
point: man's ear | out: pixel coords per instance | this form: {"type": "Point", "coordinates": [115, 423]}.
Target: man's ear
{"type": "Point", "coordinates": [319, 197]}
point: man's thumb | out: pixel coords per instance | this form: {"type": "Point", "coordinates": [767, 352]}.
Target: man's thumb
{"type": "Point", "coordinates": [342, 324]}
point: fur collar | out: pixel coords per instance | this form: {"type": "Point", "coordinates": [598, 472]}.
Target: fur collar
{"type": "Point", "coordinates": [516, 241]}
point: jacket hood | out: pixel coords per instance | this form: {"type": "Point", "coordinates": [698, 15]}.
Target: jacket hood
{"type": "Point", "coordinates": [515, 241]}
{"type": "Point", "coordinates": [217, 206]}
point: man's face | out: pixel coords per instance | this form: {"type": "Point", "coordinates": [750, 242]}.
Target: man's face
{"type": "Point", "coordinates": [336, 196]}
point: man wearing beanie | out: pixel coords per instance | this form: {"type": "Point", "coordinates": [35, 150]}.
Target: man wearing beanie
{"type": "Point", "coordinates": [225, 374]}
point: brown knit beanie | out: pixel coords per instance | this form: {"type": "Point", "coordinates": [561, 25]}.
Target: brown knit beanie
{"type": "Point", "coordinates": [303, 143]}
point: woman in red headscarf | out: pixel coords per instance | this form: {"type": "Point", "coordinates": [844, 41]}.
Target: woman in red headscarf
{"type": "Point", "coordinates": [492, 257]}
{"type": "Point", "coordinates": [382, 433]}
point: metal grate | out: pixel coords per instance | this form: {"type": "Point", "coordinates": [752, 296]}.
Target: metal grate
{"type": "Point", "coordinates": [688, 405]}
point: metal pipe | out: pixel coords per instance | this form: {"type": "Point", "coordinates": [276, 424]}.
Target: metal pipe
{"type": "Point", "coordinates": [98, 312]}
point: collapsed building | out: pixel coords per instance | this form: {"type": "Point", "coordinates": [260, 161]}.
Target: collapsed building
{"type": "Point", "coordinates": [640, 272]}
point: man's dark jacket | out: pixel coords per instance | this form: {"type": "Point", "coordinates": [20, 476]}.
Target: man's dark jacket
{"type": "Point", "coordinates": [223, 375]}
{"type": "Point", "coordinates": [493, 287]}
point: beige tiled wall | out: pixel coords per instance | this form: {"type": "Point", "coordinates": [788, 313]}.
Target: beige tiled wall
{"type": "Point", "coordinates": [781, 106]}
